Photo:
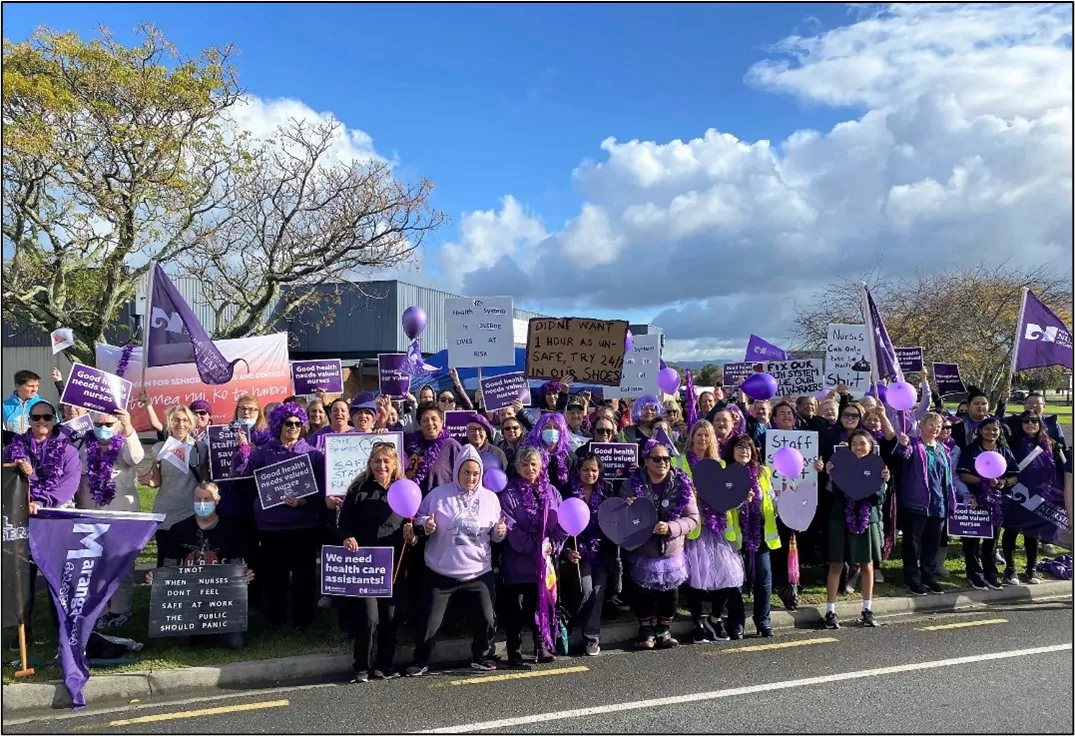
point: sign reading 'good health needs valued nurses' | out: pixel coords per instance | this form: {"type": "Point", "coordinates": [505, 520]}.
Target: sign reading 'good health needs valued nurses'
{"type": "Point", "coordinates": [480, 331]}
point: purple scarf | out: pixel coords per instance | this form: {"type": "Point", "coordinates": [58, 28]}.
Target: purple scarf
{"type": "Point", "coordinates": [430, 450]}
{"type": "Point", "coordinates": [99, 467]}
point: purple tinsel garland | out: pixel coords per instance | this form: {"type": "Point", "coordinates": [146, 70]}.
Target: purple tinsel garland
{"type": "Point", "coordinates": [589, 541]}
{"type": "Point", "coordinates": [124, 360]}
{"type": "Point", "coordinates": [677, 480]}
{"type": "Point", "coordinates": [99, 467]}
{"type": "Point", "coordinates": [531, 492]}
{"type": "Point", "coordinates": [40, 487]}
{"type": "Point", "coordinates": [430, 450]}
{"type": "Point", "coordinates": [857, 516]}
{"type": "Point", "coordinates": [752, 523]}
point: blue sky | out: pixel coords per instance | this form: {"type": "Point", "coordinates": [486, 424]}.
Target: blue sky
{"type": "Point", "coordinates": [496, 100]}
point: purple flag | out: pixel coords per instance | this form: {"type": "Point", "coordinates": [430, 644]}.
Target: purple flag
{"type": "Point", "coordinates": [83, 555]}
{"type": "Point", "coordinates": [884, 355]}
{"type": "Point", "coordinates": [1041, 339]}
{"type": "Point", "coordinates": [173, 335]}
{"type": "Point", "coordinates": [758, 349]}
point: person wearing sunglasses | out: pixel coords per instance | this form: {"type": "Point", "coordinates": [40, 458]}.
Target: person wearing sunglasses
{"type": "Point", "coordinates": [512, 433]}
{"type": "Point", "coordinates": [289, 534]}
{"type": "Point", "coordinates": [478, 433]}
{"type": "Point", "coordinates": [1035, 404]}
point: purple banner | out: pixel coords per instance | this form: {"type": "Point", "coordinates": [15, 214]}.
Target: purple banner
{"type": "Point", "coordinates": [910, 359]}
{"type": "Point", "coordinates": [500, 391]}
{"type": "Point", "coordinates": [393, 375]}
{"type": "Point", "coordinates": [95, 390]}
{"type": "Point", "coordinates": [1042, 339]}
{"type": "Point", "coordinates": [948, 379]}
{"type": "Point", "coordinates": [758, 349]}
{"type": "Point", "coordinates": [310, 375]}
{"type": "Point", "coordinates": [967, 522]}
{"type": "Point", "coordinates": [1038, 513]}
{"type": "Point", "coordinates": [456, 424]}
{"type": "Point", "coordinates": [81, 425]}
{"type": "Point", "coordinates": [365, 573]}
{"type": "Point", "coordinates": [83, 556]}
{"type": "Point", "coordinates": [736, 373]}
{"type": "Point", "coordinates": [173, 335]}
{"type": "Point", "coordinates": [291, 477]}
{"type": "Point", "coordinates": [223, 443]}
{"type": "Point", "coordinates": [617, 458]}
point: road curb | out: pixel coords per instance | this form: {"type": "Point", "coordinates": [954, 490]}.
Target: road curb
{"type": "Point", "coordinates": [27, 698]}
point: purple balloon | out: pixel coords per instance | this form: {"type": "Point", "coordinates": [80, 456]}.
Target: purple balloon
{"type": "Point", "coordinates": [404, 497]}
{"type": "Point", "coordinates": [628, 342]}
{"type": "Point", "coordinates": [901, 396]}
{"type": "Point", "coordinates": [495, 480]}
{"type": "Point", "coordinates": [759, 386]}
{"type": "Point", "coordinates": [414, 322]}
{"type": "Point", "coordinates": [789, 462]}
{"type": "Point", "coordinates": [573, 516]}
{"type": "Point", "coordinates": [668, 380]}
{"type": "Point", "coordinates": [990, 465]}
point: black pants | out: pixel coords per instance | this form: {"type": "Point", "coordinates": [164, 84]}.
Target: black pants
{"type": "Point", "coordinates": [289, 561]}
{"type": "Point", "coordinates": [921, 538]}
{"type": "Point", "coordinates": [519, 604]}
{"type": "Point", "coordinates": [655, 609]}
{"type": "Point", "coordinates": [375, 620]}
{"type": "Point", "coordinates": [980, 556]}
{"type": "Point", "coordinates": [437, 591]}
{"type": "Point", "coordinates": [733, 599]}
{"type": "Point", "coordinates": [165, 546]}
{"type": "Point", "coordinates": [1007, 546]}
{"type": "Point", "coordinates": [593, 579]}
{"type": "Point", "coordinates": [248, 540]}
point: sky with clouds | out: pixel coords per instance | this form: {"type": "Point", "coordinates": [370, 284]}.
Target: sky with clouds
{"type": "Point", "coordinates": [703, 168]}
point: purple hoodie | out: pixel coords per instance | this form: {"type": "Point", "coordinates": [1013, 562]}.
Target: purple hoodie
{"type": "Point", "coordinates": [284, 517]}
{"type": "Point", "coordinates": [57, 467]}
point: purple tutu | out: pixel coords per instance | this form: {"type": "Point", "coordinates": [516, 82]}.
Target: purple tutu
{"type": "Point", "coordinates": [713, 563]}
{"type": "Point", "coordinates": [659, 573]}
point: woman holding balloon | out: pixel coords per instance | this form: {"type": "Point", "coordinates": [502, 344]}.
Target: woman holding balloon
{"type": "Point", "coordinates": [589, 551]}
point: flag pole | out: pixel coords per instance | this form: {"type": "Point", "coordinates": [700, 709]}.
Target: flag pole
{"type": "Point", "coordinates": [871, 343]}
{"type": "Point", "coordinates": [1018, 338]}
{"type": "Point", "coordinates": [147, 320]}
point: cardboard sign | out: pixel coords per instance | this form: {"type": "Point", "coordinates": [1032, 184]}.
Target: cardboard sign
{"type": "Point", "coordinates": [910, 359]}
{"type": "Point", "coordinates": [348, 454]}
{"type": "Point", "coordinates": [393, 375]}
{"type": "Point", "coordinates": [617, 458]}
{"type": "Point", "coordinates": [310, 375]}
{"type": "Point", "coordinates": [502, 391]}
{"type": "Point", "coordinates": [591, 350]}
{"type": "Point", "coordinates": [847, 359]}
{"type": "Point", "coordinates": [640, 369]}
{"type": "Point", "coordinates": [291, 477]}
{"type": "Point", "coordinates": [198, 599]}
{"type": "Point", "coordinates": [95, 390]}
{"type": "Point", "coordinates": [805, 442]}
{"type": "Point", "coordinates": [223, 443]}
{"type": "Point", "coordinates": [796, 377]}
{"type": "Point", "coordinates": [455, 421]}
{"type": "Point", "coordinates": [480, 331]}
{"type": "Point", "coordinates": [365, 573]}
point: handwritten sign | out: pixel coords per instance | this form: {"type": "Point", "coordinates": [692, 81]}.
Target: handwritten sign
{"type": "Point", "coordinates": [310, 375]}
{"type": "Point", "coordinates": [617, 458]}
{"type": "Point", "coordinates": [291, 477]}
{"type": "Point", "coordinates": [196, 600]}
{"type": "Point", "coordinates": [503, 390]}
{"type": "Point", "coordinates": [347, 455]}
{"type": "Point", "coordinates": [736, 373]}
{"type": "Point", "coordinates": [591, 350]}
{"type": "Point", "coordinates": [480, 331]}
{"type": "Point", "coordinates": [223, 444]}
{"type": "Point", "coordinates": [847, 359]}
{"type": "Point", "coordinates": [364, 573]}
{"type": "Point", "coordinates": [95, 390]}
{"type": "Point", "coordinates": [796, 377]}
{"type": "Point", "coordinates": [910, 359]}
{"type": "Point", "coordinates": [393, 377]}
{"type": "Point", "coordinates": [805, 442]}
{"type": "Point", "coordinates": [640, 369]}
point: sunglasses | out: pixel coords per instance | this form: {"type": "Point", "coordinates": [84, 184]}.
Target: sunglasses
{"type": "Point", "coordinates": [603, 430]}
{"type": "Point", "coordinates": [383, 444]}
{"type": "Point", "coordinates": [292, 423]}
{"type": "Point", "coordinates": [446, 400]}
{"type": "Point", "coordinates": [946, 427]}
{"type": "Point", "coordinates": [851, 415]}
{"type": "Point", "coordinates": [1032, 420]}
{"type": "Point", "coordinates": [511, 428]}
{"type": "Point", "coordinates": [42, 417]}
{"type": "Point", "coordinates": [202, 413]}
{"type": "Point", "coordinates": [659, 459]}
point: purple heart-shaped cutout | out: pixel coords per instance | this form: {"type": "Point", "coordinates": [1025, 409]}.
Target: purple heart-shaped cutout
{"type": "Point", "coordinates": [627, 526]}
{"type": "Point", "coordinates": [856, 477]}
{"type": "Point", "coordinates": [722, 488]}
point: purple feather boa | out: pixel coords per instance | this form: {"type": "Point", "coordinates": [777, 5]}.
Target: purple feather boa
{"type": "Point", "coordinates": [752, 511]}
{"type": "Point", "coordinates": [26, 448]}
{"type": "Point", "coordinates": [677, 481]}
{"type": "Point", "coordinates": [590, 540]}
{"type": "Point", "coordinates": [857, 516]}
{"type": "Point", "coordinates": [430, 450]}
{"type": "Point", "coordinates": [99, 467]}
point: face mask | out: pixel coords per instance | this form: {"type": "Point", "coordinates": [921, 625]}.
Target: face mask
{"type": "Point", "coordinates": [204, 508]}
{"type": "Point", "coordinates": [247, 423]}
{"type": "Point", "coordinates": [550, 436]}
{"type": "Point", "coordinates": [104, 433]}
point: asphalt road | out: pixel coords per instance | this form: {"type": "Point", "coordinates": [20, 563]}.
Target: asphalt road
{"type": "Point", "coordinates": [996, 669]}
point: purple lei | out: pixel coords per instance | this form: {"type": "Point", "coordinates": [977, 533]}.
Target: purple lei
{"type": "Point", "coordinates": [677, 481]}
{"type": "Point", "coordinates": [857, 516]}
{"type": "Point", "coordinates": [99, 467]}
{"type": "Point", "coordinates": [592, 542]}
{"type": "Point", "coordinates": [40, 487]}
{"type": "Point", "coordinates": [751, 525]}
{"type": "Point", "coordinates": [124, 361]}
{"type": "Point", "coordinates": [430, 450]}
{"type": "Point", "coordinates": [530, 492]}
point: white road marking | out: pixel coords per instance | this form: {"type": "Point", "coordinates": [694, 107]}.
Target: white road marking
{"type": "Point", "coordinates": [732, 692]}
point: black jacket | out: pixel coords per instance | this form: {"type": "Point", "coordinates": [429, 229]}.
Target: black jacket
{"type": "Point", "coordinates": [366, 516]}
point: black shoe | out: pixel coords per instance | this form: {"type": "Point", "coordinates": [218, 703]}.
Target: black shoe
{"type": "Point", "coordinates": [976, 584]}
{"type": "Point", "coordinates": [483, 665]}
{"type": "Point", "coordinates": [416, 670]}
{"type": "Point", "coordinates": [993, 584]}
{"type": "Point", "coordinates": [665, 640]}
{"type": "Point", "coordinates": [516, 662]}
{"type": "Point", "coordinates": [717, 627]}
{"type": "Point", "coordinates": [735, 634]}
{"type": "Point", "coordinates": [765, 632]}
{"type": "Point", "coordinates": [918, 590]}
{"type": "Point", "coordinates": [831, 621]}
{"type": "Point", "coordinates": [867, 619]}
{"type": "Point", "coordinates": [934, 588]}
{"type": "Point", "coordinates": [700, 635]}
{"type": "Point", "coordinates": [360, 677]}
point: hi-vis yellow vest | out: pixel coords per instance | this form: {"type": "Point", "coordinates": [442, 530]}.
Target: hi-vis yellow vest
{"type": "Point", "coordinates": [732, 532]}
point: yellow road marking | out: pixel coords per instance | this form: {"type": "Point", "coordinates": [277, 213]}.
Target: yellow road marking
{"type": "Point", "coordinates": [781, 645]}
{"type": "Point", "coordinates": [518, 675]}
{"type": "Point", "coordinates": [199, 713]}
{"type": "Point", "coordinates": [983, 622]}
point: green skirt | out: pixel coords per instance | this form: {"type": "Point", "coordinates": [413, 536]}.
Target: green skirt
{"type": "Point", "coordinates": [851, 548]}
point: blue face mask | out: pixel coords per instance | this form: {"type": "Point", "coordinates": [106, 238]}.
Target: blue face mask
{"type": "Point", "coordinates": [247, 423]}
{"type": "Point", "coordinates": [104, 433]}
{"type": "Point", "coordinates": [550, 436]}
{"type": "Point", "coordinates": [204, 508]}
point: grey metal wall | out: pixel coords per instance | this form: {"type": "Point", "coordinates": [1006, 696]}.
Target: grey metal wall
{"type": "Point", "coordinates": [38, 359]}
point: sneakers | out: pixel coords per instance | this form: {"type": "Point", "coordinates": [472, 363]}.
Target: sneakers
{"type": "Point", "coordinates": [516, 661]}
{"type": "Point", "coordinates": [416, 670]}
{"type": "Point", "coordinates": [735, 634]}
{"type": "Point", "coordinates": [934, 588]}
{"type": "Point", "coordinates": [976, 584]}
{"type": "Point", "coordinates": [1012, 579]}
{"type": "Point", "coordinates": [1034, 580]}
{"type": "Point", "coordinates": [765, 632]}
{"type": "Point", "coordinates": [360, 677]}
{"type": "Point", "coordinates": [700, 635]}
{"type": "Point", "coordinates": [483, 665]}
{"type": "Point", "coordinates": [867, 619]}
{"type": "Point", "coordinates": [831, 620]}
{"type": "Point", "coordinates": [917, 590]}
{"type": "Point", "coordinates": [717, 627]}
{"type": "Point", "coordinates": [665, 640]}
{"type": "Point", "coordinates": [993, 584]}
{"type": "Point", "coordinates": [592, 648]}
{"type": "Point", "coordinates": [384, 674]}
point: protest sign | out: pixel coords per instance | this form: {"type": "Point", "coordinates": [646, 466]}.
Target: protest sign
{"type": "Point", "coordinates": [291, 477]}
{"type": "Point", "coordinates": [501, 391]}
{"type": "Point", "coordinates": [347, 455]}
{"type": "Point", "coordinates": [736, 373]}
{"type": "Point", "coordinates": [81, 424]}
{"type": "Point", "coordinates": [364, 573]}
{"type": "Point", "coordinates": [223, 443]}
{"type": "Point", "coordinates": [910, 359]}
{"type": "Point", "coordinates": [617, 458]}
{"type": "Point", "coordinates": [591, 350]}
{"type": "Point", "coordinates": [93, 389]}
{"type": "Point", "coordinates": [803, 441]}
{"type": "Point", "coordinates": [195, 600]}
{"type": "Point", "coordinates": [455, 422]}
{"type": "Point", "coordinates": [796, 377]}
{"type": "Point", "coordinates": [967, 522]}
{"type": "Point", "coordinates": [393, 375]}
{"type": "Point", "coordinates": [310, 375]}
{"type": "Point", "coordinates": [480, 331]}
{"type": "Point", "coordinates": [640, 368]}
{"type": "Point", "coordinates": [847, 359]}
{"type": "Point", "coordinates": [948, 380]}
{"type": "Point", "coordinates": [15, 579]}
